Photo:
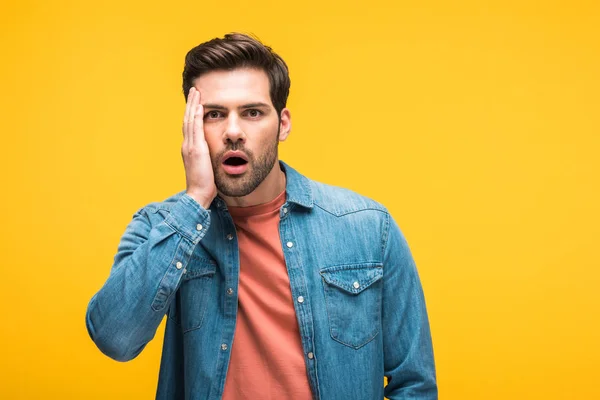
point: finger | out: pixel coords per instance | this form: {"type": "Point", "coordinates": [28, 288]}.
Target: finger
{"type": "Point", "coordinates": [190, 121]}
{"type": "Point", "coordinates": [185, 117]}
{"type": "Point", "coordinates": [199, 126]}
{"type": "Point", "coordinates": [187, 114]}
{"type": "Point", "coordinates": [196, 119]}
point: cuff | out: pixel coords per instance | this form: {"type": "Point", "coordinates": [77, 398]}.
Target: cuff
{"type": "Point", "coordinates": [189, 218]}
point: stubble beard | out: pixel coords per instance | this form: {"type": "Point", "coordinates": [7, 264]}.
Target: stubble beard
{"type": "Point", "coordinates": [258, 169]}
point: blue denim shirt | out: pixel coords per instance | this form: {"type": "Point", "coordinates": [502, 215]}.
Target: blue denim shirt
{"type": "Point", "coordinates": [363, 312]}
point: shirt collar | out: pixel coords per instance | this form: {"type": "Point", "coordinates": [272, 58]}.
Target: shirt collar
{"type": "Point", "coordinates": [297, 187]}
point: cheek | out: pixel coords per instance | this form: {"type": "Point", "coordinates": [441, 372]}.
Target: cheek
{"type": "Point", "coordinates": [213, 140]}
{"type": "Point", "coordinates": [265, 131]}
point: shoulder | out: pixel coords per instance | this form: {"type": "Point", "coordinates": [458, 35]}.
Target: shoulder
{"type": "Point", "coordinates": [339, 201]}
{"type": "Point", "coordinates": [161, 205]}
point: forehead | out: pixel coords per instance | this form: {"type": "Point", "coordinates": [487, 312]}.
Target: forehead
{"type": "Point", "coordinates": [225, 87]}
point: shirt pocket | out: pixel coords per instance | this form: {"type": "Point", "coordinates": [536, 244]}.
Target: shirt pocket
{"type": "Point", "coordinates": [194, 292]}
{"type": "Point", "coordinates": [353, 302]}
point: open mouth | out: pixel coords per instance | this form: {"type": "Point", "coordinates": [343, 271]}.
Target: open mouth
{"type": "Point", "coordinates": [235, 161]}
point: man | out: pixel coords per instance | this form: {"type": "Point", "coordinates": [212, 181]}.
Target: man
{"type": "Point", "coordinates": [275, 286]}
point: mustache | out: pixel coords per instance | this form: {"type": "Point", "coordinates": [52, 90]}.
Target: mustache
{"type": "Point", "coordinates": [237, 147]}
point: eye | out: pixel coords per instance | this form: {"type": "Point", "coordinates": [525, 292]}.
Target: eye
{"type": "Point", "coordinates": [254, 113]}
{"type": "Point", "coordinates": [212, 114]}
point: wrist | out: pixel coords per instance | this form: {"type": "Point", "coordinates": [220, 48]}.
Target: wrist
{"type": "Point", "coordinates": [202, 200]}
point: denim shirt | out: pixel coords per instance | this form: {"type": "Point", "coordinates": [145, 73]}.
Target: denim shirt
{"type": "Point", "coordinates": [358, 298]}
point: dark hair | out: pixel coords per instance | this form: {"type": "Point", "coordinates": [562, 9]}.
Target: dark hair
{"type": "Point", "coordinates": [237, 50]}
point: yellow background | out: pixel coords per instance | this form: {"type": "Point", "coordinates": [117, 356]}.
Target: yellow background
{"type": "Point", "coordinates": [476, 123]}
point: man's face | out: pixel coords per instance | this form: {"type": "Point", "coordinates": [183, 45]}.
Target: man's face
{"type": "Point", "coordinates": [239, 116]}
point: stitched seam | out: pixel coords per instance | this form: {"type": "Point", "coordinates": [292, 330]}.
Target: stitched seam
{"type": "Point", "coordinates": [361, 265]}
{"type": "Point", "coordinates": [385, 236]}
{"type": "Point", "coordinates": [350, 211]}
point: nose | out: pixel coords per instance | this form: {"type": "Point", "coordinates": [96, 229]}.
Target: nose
{"type": "Point", "coordinates": [233, 131]}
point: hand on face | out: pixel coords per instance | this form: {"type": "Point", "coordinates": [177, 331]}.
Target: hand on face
{"type": "Point", "coordinates": [199, 174]}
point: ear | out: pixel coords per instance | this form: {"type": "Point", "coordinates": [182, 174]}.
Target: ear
{"type": "Point", "coordinates": [285, 124]}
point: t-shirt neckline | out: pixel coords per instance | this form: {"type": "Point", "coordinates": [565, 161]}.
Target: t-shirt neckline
{"type": "Point", "coordinates": [258, 209]}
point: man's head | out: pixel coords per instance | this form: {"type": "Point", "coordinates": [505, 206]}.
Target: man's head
{"type": "Point", "coordinates": [233, 51]}
{"type": "Point", "coordinates": [243, 88]}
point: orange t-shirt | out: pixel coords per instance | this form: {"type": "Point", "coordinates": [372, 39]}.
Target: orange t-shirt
{"type": "Point", "coordinates": [267, 360]}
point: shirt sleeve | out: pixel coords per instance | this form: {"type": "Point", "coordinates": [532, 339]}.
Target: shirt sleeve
{"type": "Point", "coordinates": [123, 316]}
{"type": "Point", "coordinates": [408, 352]}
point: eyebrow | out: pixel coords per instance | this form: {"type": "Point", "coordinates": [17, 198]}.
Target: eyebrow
{"type": "Point", "coordinates": [249, 105]}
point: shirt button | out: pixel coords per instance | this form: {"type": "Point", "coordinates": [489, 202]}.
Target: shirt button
{"type": "Point", "coordinates": [285, 210]}
{"type": "Point", "coordinates": [311, 355]}
{"type": "Point", "coordinates": [230, 291]}
{"type": "Point", "coordinates": [230, 237]}
{"type": "Point", "coordinates": [179, 265]}
{"type": "Point", "coordinates": [223, 347]}
{"type": "Point", "coordinates": [199, 227]}
{"type": "Point", "coordinates": [289, 244]}
{"type": "Point", "coordinates": [356, 285]}
{"type": "Point", "coordinates": [300, 299]}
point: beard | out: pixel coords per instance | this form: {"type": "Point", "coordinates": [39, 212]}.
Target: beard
{"type": "Point", "coordinates": [259, 168]}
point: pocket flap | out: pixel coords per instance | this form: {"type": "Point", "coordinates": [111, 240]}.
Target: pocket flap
{"type": "Point", "coordinates": [353, 278]}
{"type": "Point", "coordinates": [199, 267]}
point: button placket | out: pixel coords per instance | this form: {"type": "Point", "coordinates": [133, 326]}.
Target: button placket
{"type": "Point", "coordinates": [293, 262]}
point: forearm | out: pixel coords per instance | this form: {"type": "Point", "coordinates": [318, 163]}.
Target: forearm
{"type": "Point", "coordinates": [123, 316]}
